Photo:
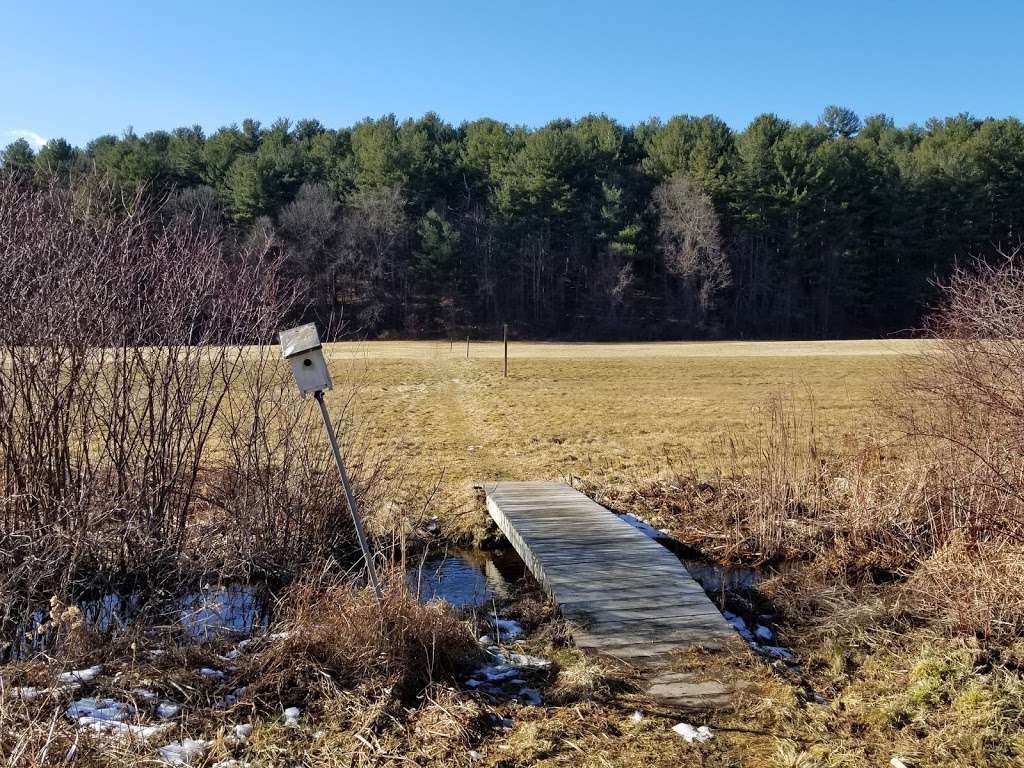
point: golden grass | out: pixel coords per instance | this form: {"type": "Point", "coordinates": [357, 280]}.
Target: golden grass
{"type": "Point", "coordinates": [617, 411]}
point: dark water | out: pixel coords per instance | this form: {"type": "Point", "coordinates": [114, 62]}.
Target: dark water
{"type": "Point", "coordinates": [232, 609]}
{"type": "Point", "coordinates": [237, 609]}
{"type": "Point", "coordinates": [714, 578]}
{"type": "Point", "coordinates": [464, 577]}
{"type": "Point", "coordinates": [468, 578]}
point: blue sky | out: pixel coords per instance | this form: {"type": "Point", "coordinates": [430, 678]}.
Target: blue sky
{"type": "Point", "coordinates": [79, 70]}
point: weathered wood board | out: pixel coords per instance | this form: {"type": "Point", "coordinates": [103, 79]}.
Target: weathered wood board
{"type": "Point", "coordinates": [624, 595]}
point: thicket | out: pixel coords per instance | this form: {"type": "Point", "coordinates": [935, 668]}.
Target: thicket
{"type": "Point", "coordinates": [144, 441]}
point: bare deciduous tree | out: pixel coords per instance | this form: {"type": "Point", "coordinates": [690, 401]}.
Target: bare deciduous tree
{"type": "Point", "coordinates": [374, 228]}
{"type": "Point", "coordinates": [691, 240]}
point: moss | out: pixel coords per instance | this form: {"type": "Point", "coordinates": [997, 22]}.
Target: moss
{"type": "Point", "coordinates": [936, 676]}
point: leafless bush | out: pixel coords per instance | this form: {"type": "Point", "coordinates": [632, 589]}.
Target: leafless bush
{"type": "Point", "coordinates": [963, 403]}
{"type": "Point", "coordinates": [119, 341]}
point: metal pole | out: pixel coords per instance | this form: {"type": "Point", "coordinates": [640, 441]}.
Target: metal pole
{"type": "Point", "coordinates": [350, 497]}
{"type": "Point", "coordinates": [505, 333]}
{"type": "Point", "coordinates": [467, 347]}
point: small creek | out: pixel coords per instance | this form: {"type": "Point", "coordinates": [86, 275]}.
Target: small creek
{"type": "Point", "coordinates": [467, 578]}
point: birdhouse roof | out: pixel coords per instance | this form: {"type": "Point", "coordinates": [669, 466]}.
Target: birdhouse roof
{"type": "Point", "coordinates": [296, 341]}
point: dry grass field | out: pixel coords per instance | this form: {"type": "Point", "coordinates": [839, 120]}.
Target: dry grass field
{"type": "Point", "coordinates": [614, 411]}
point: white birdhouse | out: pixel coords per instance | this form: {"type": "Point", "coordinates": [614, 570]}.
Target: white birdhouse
{"type": "Point", "coordinates": [301, 348]}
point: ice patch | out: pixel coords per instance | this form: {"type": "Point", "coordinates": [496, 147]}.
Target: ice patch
{"type": "Point", "coordinates": [114, 728]}
{"type": "Point", "coordinates": [183, 752]}
{"type": "Point", "coordinates": [165, 710]}
{"type": "Point", "coordinates": [218, 610]}
{"type": "Point", "coordinates": [213, 674]}
{"type": "Point", "coordinates": [28, 693]}
{"type": "Point", "coordinates": [643, 526]}
{"type": "Point", "coordinates": [507, 629]}
{"type": "Point", "coordinates": [692, 734]}
{"type": "Point", "coordinates": [98, 709]}
{"type": "Point", "coordinates": [291, 717]}
{"type": "Point", "coordinates": [80, 676]}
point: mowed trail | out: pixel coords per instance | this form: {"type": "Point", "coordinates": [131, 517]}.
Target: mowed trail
{"type": "Point", "coordinates": [617, 411]}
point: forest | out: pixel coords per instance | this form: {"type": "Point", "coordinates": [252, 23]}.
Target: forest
{"type": "Point", "coordinates": [588, 229]}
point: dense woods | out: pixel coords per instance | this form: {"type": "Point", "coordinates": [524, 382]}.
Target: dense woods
{"type": "Point", "coordinates": [682, 228]}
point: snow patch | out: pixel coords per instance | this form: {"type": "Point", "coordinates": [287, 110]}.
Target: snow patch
{"type": "Point", "coordinates": [98, 709]}
{"type": "Point", "coordinates": [114, 728]}
{"type": "Point", "coordinates": [643, 526]}
{"type": "Point", "coordinates": [165, 710]}
{"type": "Point", "coordinates": [507, 629]}
{"type": "Point", "coordinates": [740, 625]}
{"type": "Point", "coordinates": [506, 676]}
{"type": "Point", "coordinates": [183, 752]}
{"type": "Point", "coordinates": [232, 698]}
{"type": "Point", "coordinates": [691, 734]}
{"type": "Point", "coordinates": [80, 676]}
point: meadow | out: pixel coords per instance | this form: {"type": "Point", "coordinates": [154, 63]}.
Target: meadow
{"type": "Point", "coordinates": [622, 412]}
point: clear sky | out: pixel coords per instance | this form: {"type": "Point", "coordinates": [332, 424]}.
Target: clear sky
{"type": "Point", "coordinates": [79, 70]}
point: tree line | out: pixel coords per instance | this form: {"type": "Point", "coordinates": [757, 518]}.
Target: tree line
{"type": "Point", "coordinates": [682, 228]}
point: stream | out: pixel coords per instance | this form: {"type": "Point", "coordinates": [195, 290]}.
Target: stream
{"type": "Point", "coordinates": [467, 578]}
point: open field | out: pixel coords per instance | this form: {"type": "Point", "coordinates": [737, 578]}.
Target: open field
{"type": "Point", "coordinates": [611, 410]}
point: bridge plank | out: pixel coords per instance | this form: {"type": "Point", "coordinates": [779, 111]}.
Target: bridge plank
{"type": "Point", "coordinates": [623, 594]}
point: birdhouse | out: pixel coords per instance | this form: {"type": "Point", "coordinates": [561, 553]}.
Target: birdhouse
{"type": "Point", "coordinates": [302, 349]}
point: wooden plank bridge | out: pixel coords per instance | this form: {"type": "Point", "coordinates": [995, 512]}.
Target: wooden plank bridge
{"type": "Point", "coordinates": [623, 594]}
